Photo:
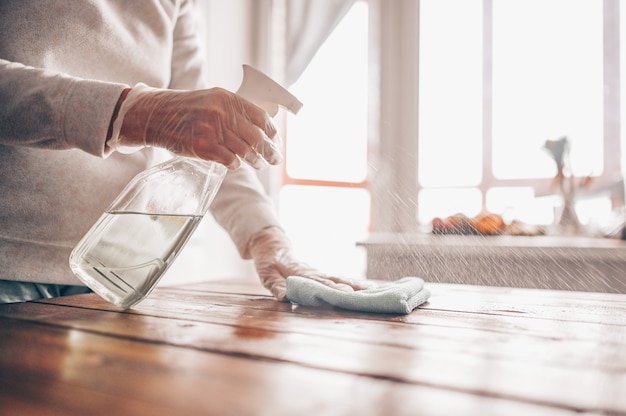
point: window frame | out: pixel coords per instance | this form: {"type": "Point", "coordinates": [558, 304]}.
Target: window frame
{"type": "Point", "coordinates": [392, 178]}
{"type": "Point", "coordinates": [394, 68]}
{"type": "Point", "coordinates": [611, 125]}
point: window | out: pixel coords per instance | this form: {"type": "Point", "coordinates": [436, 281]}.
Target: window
{"type": "Point", "coordinates": [461, 96]}
{"type": "Point", "coordinates": [498, 79]}
{"type": "Point", "coordinates": [324, 203]}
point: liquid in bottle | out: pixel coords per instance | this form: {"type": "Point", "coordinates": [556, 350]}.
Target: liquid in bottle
{"type": "Point", "coordinates": [127, 252]}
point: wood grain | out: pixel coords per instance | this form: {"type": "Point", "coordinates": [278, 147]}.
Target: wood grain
{"type": "Point", "coordinates": [484, 349]}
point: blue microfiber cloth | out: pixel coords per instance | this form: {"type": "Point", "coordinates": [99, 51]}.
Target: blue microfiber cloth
{"type": "Point", "coordinates": [399, 296]}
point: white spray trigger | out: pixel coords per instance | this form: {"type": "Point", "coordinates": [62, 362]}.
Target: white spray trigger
{"type": "Point", "coordinates": [265, 92]}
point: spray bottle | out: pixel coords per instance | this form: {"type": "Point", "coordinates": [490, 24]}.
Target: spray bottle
{"type": "Point", "coordinates": [126, 252]}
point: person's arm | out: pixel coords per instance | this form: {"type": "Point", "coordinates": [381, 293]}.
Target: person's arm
{"type": "Point", "coordinates": [241, 206]}
{"type": "Point", "coordinates": [45, 109]}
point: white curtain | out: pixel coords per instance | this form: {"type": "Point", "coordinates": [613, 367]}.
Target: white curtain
{"type": "Point", "coordinates": [308, 24]}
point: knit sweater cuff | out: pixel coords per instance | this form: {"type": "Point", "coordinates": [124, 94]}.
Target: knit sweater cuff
{"type": "Point", "coordinates": [87, 111]}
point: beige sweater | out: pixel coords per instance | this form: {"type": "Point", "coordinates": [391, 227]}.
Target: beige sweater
{"type": "Point", "coordinates": [63, 65]}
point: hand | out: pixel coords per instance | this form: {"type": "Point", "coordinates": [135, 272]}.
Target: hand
{"type": "Point", "coordinates": [212, 124]}
{"type": "Point", "coordinates": [274, 262]}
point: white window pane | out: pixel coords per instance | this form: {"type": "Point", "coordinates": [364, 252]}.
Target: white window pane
{"type": "Point", "coordinates": [324, 224]}
{"type": "Point", "coordinates": [448, 201]}
{"type": "Point", "coordinates": [450, 93]}
{"type": "Point", "coordinates": [520, 203]}
{"type": "Point", "coordinates": [594, 211]}
{"type": "Point", "coordinates": [547, 83]}
{"type": "Point", "coordinates": [327, 140]}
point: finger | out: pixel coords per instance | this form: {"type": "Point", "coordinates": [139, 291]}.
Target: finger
{"type": "Point", "coordinates": [243, 150]}
{"type": "Point", "coordinates": [261, 144]}
{"type": "Point", "coordinates": [278, 142]}
{"type": "Point", "coordinates": [364, 285]}
{"type": "Point", "coordinates": [261, 119]}
{"type": "Point", "coordinates": [259, 137]}
{"type": "Point", "coordinates": [253, 159]}
{"type": "Point", "coordinates": [225, 157]}
{"type": "Point", "coordinates": [280, 293]}
{"type": "Point", "coordinates": [355, 284]}
{"type": "Point", "coordinates": [208, 150]}
{"type": "Point", "coordinates": [272, 133]}
{"type": "Point", "coordinates": [277, 286]}
{"type": "Point", "coordinates": [332, 283]}
{"type": "Point", "coordinates": [339, 286]}
{"type": "Point", "coordinates": [345, 285]}
{"type": "Point", "coordinates": [270, 151]}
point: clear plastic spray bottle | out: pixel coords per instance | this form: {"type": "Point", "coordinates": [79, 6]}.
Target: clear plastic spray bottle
{"type": "Point", "coordinates": [127, 251]}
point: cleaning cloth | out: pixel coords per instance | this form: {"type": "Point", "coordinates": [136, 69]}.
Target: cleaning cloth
{"type": "Point", "coordinates": [399, 296]}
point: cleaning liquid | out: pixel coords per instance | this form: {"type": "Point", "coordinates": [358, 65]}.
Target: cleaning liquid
{"type": "Point", "coordinates": [139, 236]}
{"type": "Point", "coordinates": [127, 251]}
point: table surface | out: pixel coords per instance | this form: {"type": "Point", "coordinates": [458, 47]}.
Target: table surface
{"type": "Point", "coordinates": [226, 347]}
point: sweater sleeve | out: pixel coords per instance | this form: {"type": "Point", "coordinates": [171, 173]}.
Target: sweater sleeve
{"type": "Point", "coordinates": [243, 208]}
{"type": "Point", "coordinates": [49, 110]}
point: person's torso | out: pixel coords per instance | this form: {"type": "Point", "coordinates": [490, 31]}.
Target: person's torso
{"type": "Point", "coordinates": [50, 198]}
{"type": "Point", "coordinates": [107, 40]}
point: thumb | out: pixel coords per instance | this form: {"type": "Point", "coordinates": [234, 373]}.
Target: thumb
{"type": "Point", "coordinates": [276, 284]}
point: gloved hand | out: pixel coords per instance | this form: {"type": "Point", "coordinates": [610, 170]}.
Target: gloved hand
{"type": "Point", "coordinates": [212, 124]}
{"type": "Point", "coordinates": [271, 251]}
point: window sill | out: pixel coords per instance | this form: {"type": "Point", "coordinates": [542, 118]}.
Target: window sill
{"type": "Point", "coordinates": [547, 262]}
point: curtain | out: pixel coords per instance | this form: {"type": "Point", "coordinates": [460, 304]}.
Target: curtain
{"type": "Point", "coordinates": [308, 24]}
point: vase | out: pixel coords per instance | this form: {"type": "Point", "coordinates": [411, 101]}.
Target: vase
{"type": "Point", "coordinates": [567, 222]}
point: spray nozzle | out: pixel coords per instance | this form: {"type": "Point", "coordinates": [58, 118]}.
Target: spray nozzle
{"type": "Point", "coordinates": [265, 92]}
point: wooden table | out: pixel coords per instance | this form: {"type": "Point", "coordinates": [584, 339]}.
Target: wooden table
{"type": "Point", "coordinates": [226, 347]}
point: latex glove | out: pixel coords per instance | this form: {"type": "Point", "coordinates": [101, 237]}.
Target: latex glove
{"type": "Point", "coordinates": [212, 124]}
{"type": "Point", "coordinates": [271, 251]}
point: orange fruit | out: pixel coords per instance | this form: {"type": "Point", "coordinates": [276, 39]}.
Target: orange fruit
{"type": "Point", "coordinates": [488, 224]}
